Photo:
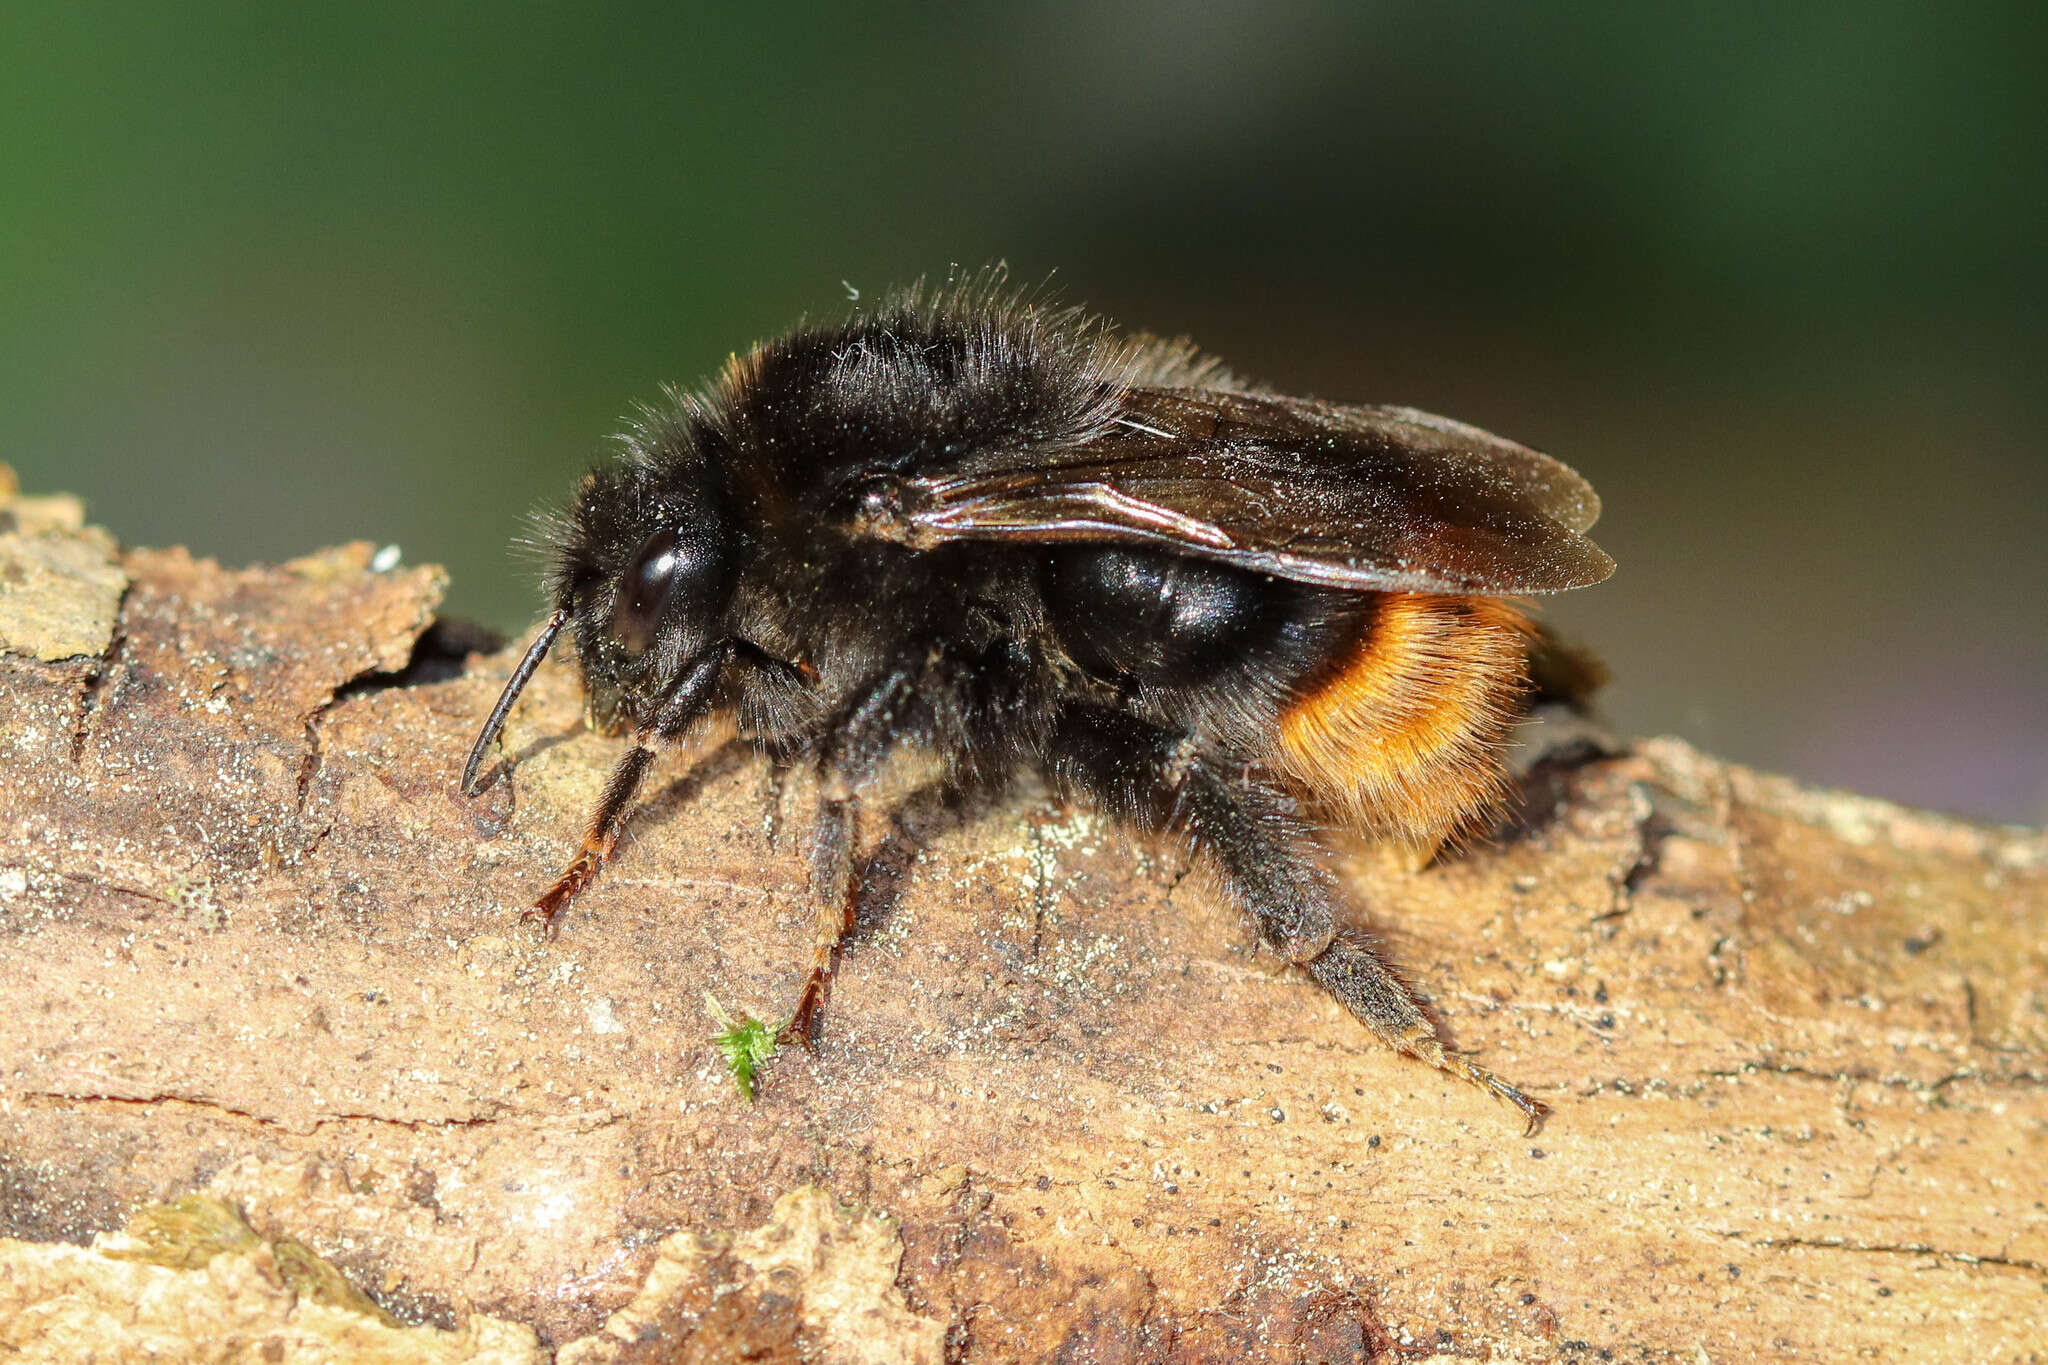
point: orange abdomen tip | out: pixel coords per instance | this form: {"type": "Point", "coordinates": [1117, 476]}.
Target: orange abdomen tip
{"type": "Point", "coordinates": [1400, 734]}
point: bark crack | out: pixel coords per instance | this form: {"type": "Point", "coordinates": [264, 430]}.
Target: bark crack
{"type": "Point", "coordinates": [167, 1100]}
{"type": "Point", "coordinates": [439, 654]}
{"type": "Point", "coordinates": [1971, 1258]}
{"type": "Point", "coordinates": [1927, 1089]}
{"type": "Point", "coordinates": [95, 679]}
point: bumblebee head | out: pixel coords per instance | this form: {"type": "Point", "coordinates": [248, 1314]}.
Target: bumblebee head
{"type": "Point", "coordinates": [641, 574]}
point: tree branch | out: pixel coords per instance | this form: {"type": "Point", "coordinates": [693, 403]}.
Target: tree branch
{"type": "Point", "coordinates": [257, 943]}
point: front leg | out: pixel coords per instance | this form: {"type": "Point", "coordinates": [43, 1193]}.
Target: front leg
{"type": "Point", "coordinates": [1268, 862]}
{"type": "Point", "coordinates": [684, 706]}
{"type": "Point", "coordinates": [599, 837]}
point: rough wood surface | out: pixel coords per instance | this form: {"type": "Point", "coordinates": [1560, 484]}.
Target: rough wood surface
{"type": "Point", "coordinates": [253, 942]}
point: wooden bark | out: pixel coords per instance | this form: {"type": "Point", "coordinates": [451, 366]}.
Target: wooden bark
{"type": "Point", "coordinates": [254, 944]}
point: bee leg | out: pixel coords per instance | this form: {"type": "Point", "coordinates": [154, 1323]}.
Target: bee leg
{"type": "Point", "coordinates": [855, 748]}
{"type": "Point", "coordinates": [832, 887]}
{"type": "Point", "coordinates": [599, 837]}
{"type": "Point", "coordinates": [1163, 781]}
{"type": "Point", "coordinates": [1378, 998]}
{"type": "Point", "coordinates": [684, 706]}
{"type": "Point", "coordinates": [1269, 863]}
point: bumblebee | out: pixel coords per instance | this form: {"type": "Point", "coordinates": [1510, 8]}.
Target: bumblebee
{"type": "Point", "coordinates": [1011, 536]}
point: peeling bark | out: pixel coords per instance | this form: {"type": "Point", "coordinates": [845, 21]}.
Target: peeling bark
{"type": "Point", "coordinates": [257, 944]}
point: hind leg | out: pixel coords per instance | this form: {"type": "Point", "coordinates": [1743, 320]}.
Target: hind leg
{"type": "Point", "coordinates": [1268, 862]}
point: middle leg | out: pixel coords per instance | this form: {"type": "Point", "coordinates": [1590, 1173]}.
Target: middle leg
{"type": "Point", "coordinates": [858, 743]}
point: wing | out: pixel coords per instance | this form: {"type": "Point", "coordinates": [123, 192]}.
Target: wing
{"type": "Point", "coordinates": [1353, 497]}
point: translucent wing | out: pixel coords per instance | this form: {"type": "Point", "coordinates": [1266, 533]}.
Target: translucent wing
{"type": "Point", "coordinates": [1366, 498]}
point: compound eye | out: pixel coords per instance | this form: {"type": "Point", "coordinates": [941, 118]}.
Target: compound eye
{"type": "Point", "coordinates": [644, 592]}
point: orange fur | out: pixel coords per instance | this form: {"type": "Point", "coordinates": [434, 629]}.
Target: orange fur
{"type": "Point", "coordinates": [1401, 736]}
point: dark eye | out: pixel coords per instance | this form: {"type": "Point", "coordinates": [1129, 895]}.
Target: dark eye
{"type": "Point", "coordinates": [644, 592]}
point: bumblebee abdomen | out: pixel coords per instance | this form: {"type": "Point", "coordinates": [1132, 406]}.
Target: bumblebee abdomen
{"type": "Point", "coordinates": [1157, 617]}
{"type": "Point", "coordinates": [1400, 732]}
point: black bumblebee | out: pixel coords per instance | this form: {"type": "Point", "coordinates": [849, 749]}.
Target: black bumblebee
{"type": "Point", "coordinates": [1009, 535]}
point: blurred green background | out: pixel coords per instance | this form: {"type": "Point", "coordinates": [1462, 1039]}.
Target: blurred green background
{"type": "Point", "coordinates": [1772, 276]}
